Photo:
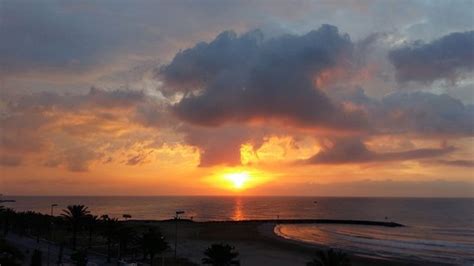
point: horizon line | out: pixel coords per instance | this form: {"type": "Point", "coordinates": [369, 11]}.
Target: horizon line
{"type": "Point", "coordinates": [227, 195]}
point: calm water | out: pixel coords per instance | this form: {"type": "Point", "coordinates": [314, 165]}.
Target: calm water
{"type": "Point", "coordinates": [439, 230]}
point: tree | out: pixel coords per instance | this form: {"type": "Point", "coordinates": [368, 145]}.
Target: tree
{"type": "Point", "coordinates": [109, 228]}
{"type": "Point", "coordinates": [221, 255]}
{"type": "Point", "coordinates": [75, 214]}
{"type": "Point", "coordinates": [330, 257]}
{"type": "Point", "coordinates": [37, 222]}
{"type": "Point", "coordinates": [91, 224]}
{"type": "Point", "coordinates": [153, 243]}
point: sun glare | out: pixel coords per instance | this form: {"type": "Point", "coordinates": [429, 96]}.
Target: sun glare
{"type": "Point", "coordinates": [238, 179]}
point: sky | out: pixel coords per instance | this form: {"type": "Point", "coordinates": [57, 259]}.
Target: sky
{"type": "Point", "coordinates": [322, 98]}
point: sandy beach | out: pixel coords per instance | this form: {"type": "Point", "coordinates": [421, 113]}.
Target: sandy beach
{"type": "Point", "coordinates": [256, 242]}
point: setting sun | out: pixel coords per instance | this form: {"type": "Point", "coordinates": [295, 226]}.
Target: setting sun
{"type": "Point", "coordinates": [238, 179]}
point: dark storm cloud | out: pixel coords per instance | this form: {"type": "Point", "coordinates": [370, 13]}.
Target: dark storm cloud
{"type": "Point", "coordinates": [240, 79]}
{"type": "Point", "coordinates": [42, 34]}
{"type": "Point", "coordinates": [353, 150]}
{"type": "Point", "coordinates": [424, 113]}
{"type": "Point", "coordinates": [221, 145]}
{"type": "Point", "coordinates": [246, 78]}
{"type": "Point", "coordinates": [444, 58]}
{"type": "Point", "coordinates": [416, 113]}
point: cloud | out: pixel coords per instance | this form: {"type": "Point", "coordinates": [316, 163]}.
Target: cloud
{"type": "Point", "coordinates": [28, 117]}
{"type": "Point", "coordinates": [376, 188]}
{"type": "Point", "coordinates": [95, 98]}
{"type": "Point", "coordinates": [247, 78]}
{"type": "Point", "coordinates": [79, 159]}
{"type": "Point", "coordinates": [457, 163]}
{"type": "Point", "coordinates": [221, 145]}
{"type": "Point", "coordinates": [444, 58]}
{"type": "Point", "coordinates": [51, 125]}
{"type": "Point", "coordinates": [416, 113]}
{"type": "Point", "coordinates": [353, 150]}
{"type": "Point", "coordinates": [8, 160]}
{"type": "Point", "coordinates": [137, 159]}
{"type": "Point", "coordinates": [19, 132]}
{"type": "Point", "coordinates": [44, 35]}
{"type": "Point", "coordinates": [76, 159]}
{"type": "Point", "coordinates": [425, 114]}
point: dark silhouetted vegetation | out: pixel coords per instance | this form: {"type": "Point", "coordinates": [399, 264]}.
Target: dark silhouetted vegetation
{"type": "Point", "coordinates": [220, 255]}
{"type": "Point", "coordinates": [152, 243]}
{"type": "Point", "coordinates": [330, 257]}
{"type": "Point", "coordinates": [109, 229]}
{"type": "Point", "coordinates": [75, 215]}
{"type": "Point", "coordinates": [77, 229]}
{"type": "Point", "coordinates": [91, 221]}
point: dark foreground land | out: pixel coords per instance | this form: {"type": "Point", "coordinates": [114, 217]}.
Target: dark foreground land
{"type": "Point", "coordinates": [255, 241]}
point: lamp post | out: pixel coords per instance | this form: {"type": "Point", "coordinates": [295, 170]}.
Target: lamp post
{"type": "Point", "coordinates": [51, 232]}
{"type": "Point", "coordinates": [176, 217]}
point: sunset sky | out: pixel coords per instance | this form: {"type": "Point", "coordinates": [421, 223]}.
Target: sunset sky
{"type": "Point", "coordinates": [329, 98]}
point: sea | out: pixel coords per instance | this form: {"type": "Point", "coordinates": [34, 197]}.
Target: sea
{"type": "Point", "coordinates": [437, 230]}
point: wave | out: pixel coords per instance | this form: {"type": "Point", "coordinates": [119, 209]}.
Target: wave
{"type": "Point", "coordinates": [411, 243]}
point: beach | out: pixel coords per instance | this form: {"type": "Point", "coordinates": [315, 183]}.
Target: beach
{"type": "Point", "coordinates": [434, 232]}
{"type": "Point", "coordinates": [256, 243]}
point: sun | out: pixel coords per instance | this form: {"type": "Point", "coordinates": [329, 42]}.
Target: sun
{"type": "Point", "coordinates": [238, 180]}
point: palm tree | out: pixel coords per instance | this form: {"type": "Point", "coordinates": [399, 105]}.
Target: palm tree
{"type": "Point", "coordinates": [75, 214]}
{"type": "Point", "coordinates": [153, 243]}
{"type": "Point", "coordinates": [91, 223]}
{"type": "Point", "coordinates": [330, 257]}
{"type": "Point", "coordinates": [110, 227]}
{"type": "Point", "coordinates": [221, 255]}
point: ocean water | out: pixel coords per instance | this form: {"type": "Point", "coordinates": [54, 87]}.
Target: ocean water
{"type": "Point", "coordinates": [437, 229]}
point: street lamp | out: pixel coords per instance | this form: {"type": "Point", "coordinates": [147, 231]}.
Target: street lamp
{"type": "Point", "coordinates": [51, 232]}
{"type": "Point", "coordinates": [176, 217]}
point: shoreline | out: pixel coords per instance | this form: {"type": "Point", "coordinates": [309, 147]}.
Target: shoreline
{"type": "Point", "coordinates": [259, 244]}
{"type": "Point", "coordinates": [257, 241]}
